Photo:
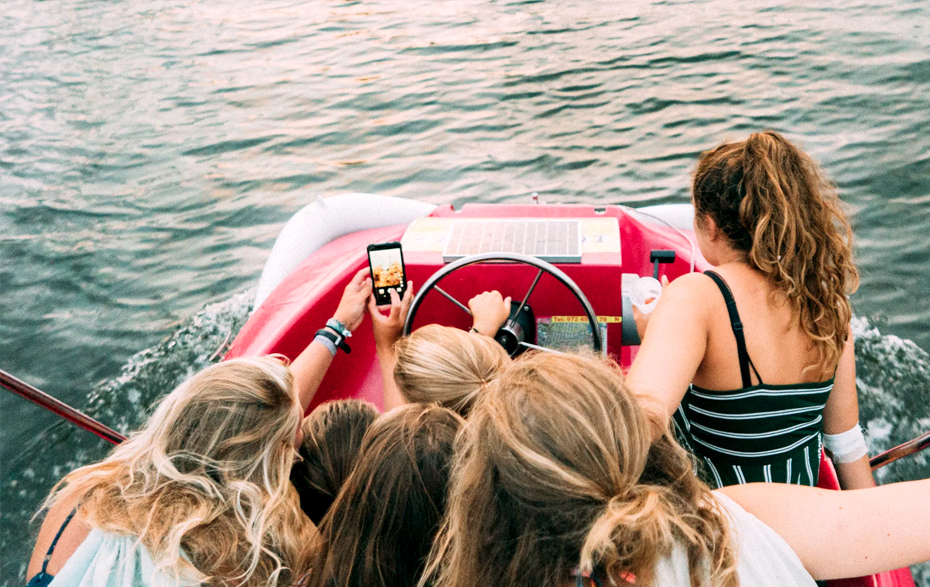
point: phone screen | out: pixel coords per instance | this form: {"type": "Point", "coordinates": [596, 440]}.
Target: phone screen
{"type": "Point", "coordinates": [387, 271]}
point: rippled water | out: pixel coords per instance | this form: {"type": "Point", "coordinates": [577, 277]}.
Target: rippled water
{"type": "Point", "coordinates": [151, 150]}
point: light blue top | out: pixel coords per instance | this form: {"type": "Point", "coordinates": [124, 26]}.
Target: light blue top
{"type": "Point", "coordinates": [113, 560]}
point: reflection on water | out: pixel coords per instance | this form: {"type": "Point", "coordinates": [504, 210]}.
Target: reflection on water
{"type": "Point", "coordinates": [150, 151]}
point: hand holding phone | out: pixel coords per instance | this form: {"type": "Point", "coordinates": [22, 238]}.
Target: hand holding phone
{"type": "Point", "coordinates": [389, 327]}
{"type": "Point", "coordinates": [386, 263]}
{"type": "Point", "coordinates": [351, 308]}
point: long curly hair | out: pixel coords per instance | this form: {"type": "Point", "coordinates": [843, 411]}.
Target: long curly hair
{"type": "Point", "coordinates": [208, 477]}
{"type": "Point", "coordinates": [773, 203]}
{"type": "Point", "coordinates": [556, 473]}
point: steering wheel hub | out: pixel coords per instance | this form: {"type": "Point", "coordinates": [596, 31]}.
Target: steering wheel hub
{"type": "Point", "coordinates": [517, 329]}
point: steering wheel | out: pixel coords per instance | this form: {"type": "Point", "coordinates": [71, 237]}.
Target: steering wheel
{"type": "Point", "coordinates": [511, 335]}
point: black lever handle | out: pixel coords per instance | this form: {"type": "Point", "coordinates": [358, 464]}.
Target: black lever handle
{"type": "Point", "coordinates": [660, 256]}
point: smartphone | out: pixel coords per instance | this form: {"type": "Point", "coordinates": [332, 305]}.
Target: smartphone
{"type": "Point", "coordinates": [386, 262]}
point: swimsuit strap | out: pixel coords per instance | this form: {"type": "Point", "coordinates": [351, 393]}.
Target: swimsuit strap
{"type": "Point", "coordinates": [744, 361]}
{"type": "Point", "coordinates": [51, 548]}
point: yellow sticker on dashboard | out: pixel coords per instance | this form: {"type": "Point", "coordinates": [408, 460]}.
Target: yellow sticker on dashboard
{"type": "Point", "coordinates": [601, 319]}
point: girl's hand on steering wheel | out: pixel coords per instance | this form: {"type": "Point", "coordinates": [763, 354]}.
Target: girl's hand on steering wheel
{"type": "Point", "coordinates": [388, 328]}
{"type": "Point", "coordinates": [489, 310]}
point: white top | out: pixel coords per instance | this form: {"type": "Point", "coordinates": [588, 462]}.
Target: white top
{"type": "Point", "coordinates": [113, 560]}
{"type": "Point", "coordinates": [764, 559]}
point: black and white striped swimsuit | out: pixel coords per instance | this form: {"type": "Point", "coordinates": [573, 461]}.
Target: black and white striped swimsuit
{"type": "Point", "coordinates": [759, 433]}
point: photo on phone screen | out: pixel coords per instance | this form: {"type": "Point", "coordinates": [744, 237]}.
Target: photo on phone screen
{"type": "Point", "coordinates": [387, 271]}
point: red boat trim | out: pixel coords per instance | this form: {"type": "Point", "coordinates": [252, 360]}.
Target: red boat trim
{"type": "Point", "coordinates": [899, 452]}
{"type": "Point", "coordinates": [59, 408]}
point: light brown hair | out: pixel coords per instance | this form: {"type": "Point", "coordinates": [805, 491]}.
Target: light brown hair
{"type": "Point", "coordinates": [333, 434]}
{"type": "Point", "coordinates": [555, 472]}
{"type": "Point", "coordinates": [379, 531]}
{"type": "Point", "coordinates": [446, 365]}
{"type": "Point", "coordinates": [208, 477]}
{"type": "Point", "coordinates": [773, 203]}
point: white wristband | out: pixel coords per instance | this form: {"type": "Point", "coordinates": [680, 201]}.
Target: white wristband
{"type": "Point", "coordinates": [846, 447]}
{"type": "Point", "coordinates": [330, 346]}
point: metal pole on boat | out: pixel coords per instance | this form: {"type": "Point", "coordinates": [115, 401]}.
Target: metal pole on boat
{"type": "Point", "coordinates": [899, 452]}
{"type": "Point", "coordinates": [58, 407]}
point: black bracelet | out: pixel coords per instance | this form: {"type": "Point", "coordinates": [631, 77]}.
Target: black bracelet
{"type": "Point", "coordinates": [475, 330]}
{"type": "Point", "coordinates": [337, 339]}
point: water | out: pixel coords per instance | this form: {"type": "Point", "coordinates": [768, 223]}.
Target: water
{"type": "Point", "coordinates": [151, 150]}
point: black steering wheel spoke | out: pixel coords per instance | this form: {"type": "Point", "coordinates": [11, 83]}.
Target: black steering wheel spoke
{"type": "Point", "coordinates": [453, 300]}
{"type": "Point", "coordinates": [529, 292]}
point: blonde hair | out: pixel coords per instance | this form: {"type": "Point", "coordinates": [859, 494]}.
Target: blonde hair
{"type": "Point", "coordinates": [555, 472]}
{"type": "Point", "coordinates": [207, 477]}
{"type": "Point", "coordinates": [772, 202]}
{"type": "Point", "coordinates": [447, 366]}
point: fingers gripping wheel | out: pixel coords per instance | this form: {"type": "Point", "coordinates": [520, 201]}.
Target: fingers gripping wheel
{"type": "Point", "coordinates": [514, 333]}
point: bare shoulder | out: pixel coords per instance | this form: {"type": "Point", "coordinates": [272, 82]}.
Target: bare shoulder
{"type": "Point", "coordinates": [70, 539]}
{"type": "Point", "coordinates": [693, 281]}
{"type": "Point", "coordinates": [691, 289]}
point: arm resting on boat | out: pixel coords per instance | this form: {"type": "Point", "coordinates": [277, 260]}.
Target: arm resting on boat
{"type": "Point", "coordinates": [310, 366]}
{"type": "Point", "coordinates": [673, 347]}
{"type": "Point", "coordinates": [842, 414]}
{"type": "Point", "coordinates": [839, 534]}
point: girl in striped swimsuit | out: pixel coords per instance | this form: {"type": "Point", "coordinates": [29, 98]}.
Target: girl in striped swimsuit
{"type": "Point", "coordinates": [754, 361]}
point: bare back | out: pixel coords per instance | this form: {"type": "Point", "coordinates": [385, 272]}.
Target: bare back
{"type": "Point", "coordinates": [689, 367]}
{"type": "Point", "coordinates": [778, 347]}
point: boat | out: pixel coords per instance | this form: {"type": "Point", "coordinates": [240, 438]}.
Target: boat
{"type": "Point", "coordinates": [566, 263]}
{"type": "Point", "coordinates": [572, 258]}
{"type": "Point", "coordinates": [563, 265]}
